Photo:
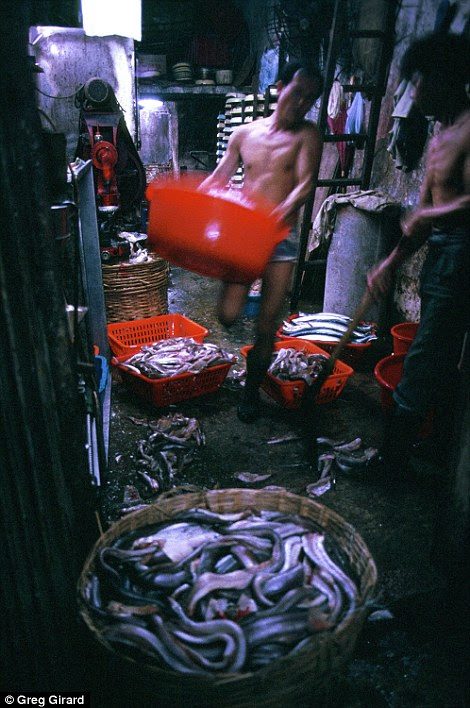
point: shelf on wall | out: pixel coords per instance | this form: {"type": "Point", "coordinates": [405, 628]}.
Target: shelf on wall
{"type": "Point", "coordinates": [175, 92]}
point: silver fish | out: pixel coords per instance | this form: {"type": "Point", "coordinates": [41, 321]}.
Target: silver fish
{"type": "Point", "coordinates": [313, 545]}
{"type": "Point", "coordinates": [133, 636]}
{"type": "Point", "coordinates": [214, 627]}
{"type": "Point", "coordinates": [152, 483]}
{"type": "Point", "coordinates": [282, 628]}
{"type": "Point", "coordinates": [172, 357]}
{"type": "Point", "coordinates": [352, 460]}
{"type": "Point", "coordinates": [290, 364]}
{"type": "Point", "coordinates": [321, 486]}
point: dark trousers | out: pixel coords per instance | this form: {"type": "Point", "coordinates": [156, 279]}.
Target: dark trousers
{"type": "Point", "coordinates": [430, 374]}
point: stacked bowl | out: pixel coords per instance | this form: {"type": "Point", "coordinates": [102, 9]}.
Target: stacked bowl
{"type": "Point", "coordinates": [182, 71]}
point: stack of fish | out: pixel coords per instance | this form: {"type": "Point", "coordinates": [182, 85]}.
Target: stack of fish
{"type": "Point", "coordinates": [288, 364]}
{"type": "Point", "coordinates": [327, 327]}
{"type": "Point", "coordinates": [172, 445]}
{"type": "Point", "coordinates": [174, 356]}
{"type": "Point", "coordinates": [352, 456]}
{"type": "Point", "coordinates": [348, 456]}
{"type": "Point", "coordinates": [207, 593]}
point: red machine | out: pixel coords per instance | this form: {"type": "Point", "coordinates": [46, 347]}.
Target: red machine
{"type": "Point", "coordinates": [118, 171]}
{"type": "Point", "coordinates": [105, 157]}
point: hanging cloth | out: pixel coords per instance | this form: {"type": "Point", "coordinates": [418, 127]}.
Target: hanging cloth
{"type": "Point", "coordinates": [370, 200]}
{"type": "Point", "coordinates": [356, 116]}
{"type": "Point", "coordinates": [335, 100]}
{"type": "Point", "coordinates": [345, 149]}
{"type": "Point", "coordinates": [409, 132]}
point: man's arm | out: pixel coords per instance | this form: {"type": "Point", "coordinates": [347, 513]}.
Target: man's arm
{"type": "Point", "coordinates": [422, 219]}
{"type": "Point", "coordinates": [227, 166]}
{"type": "Point", "coordinates": [307, 166]}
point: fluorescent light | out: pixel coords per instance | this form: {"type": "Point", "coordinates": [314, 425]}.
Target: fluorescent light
{"type": "Point", "coordinates": [150, 104]}
{"type": "Point", "coordinates": [102, 18]}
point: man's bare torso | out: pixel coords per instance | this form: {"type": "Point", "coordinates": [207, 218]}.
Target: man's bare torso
{"type": "Point", "coordinates": [270, 156]}
{"type": "Point", "coordinates": [448, 163]}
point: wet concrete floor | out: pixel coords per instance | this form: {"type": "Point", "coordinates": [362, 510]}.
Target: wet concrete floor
{"type": "Point", "coordinates": [418, 656]}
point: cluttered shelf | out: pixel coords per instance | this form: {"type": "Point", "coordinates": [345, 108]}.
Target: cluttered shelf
{"type": "Point", "coordinates": [178, 91]}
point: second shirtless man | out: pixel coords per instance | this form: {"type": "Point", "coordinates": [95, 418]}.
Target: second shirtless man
{"type": "Point", "coordinates": [439, 68]}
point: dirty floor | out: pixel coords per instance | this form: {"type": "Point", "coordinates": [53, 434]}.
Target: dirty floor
{"type": "Point", "coordinates": [418, 656]}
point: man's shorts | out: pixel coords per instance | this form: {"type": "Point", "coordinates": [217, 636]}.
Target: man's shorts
{"type": "Point", "coordinates": [287, 250]}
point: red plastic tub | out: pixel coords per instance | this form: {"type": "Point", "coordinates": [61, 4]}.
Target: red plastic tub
{"type": "Point", "coordinates": [403, 334]}
{"type": "Point", "coordinates": [388, 372]}
{"type": "Point", "coordinates": [217, 234]}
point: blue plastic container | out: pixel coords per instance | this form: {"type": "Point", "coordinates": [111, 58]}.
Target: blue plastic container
{"type": "Point", "coordinates": [252, 305]}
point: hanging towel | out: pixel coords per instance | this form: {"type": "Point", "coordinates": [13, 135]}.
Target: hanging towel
{"type": "Point", "coordinates": [366, 200]}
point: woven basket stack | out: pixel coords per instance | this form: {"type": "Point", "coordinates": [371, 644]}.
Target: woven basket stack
{"type": "Point", "coordinates": [133, 291]}
{"type": "Point", "coordinates": [302, 678]}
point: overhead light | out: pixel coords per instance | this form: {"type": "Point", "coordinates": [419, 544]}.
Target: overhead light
{"type": "Point", "coordinates": [150, 104]}
{"type": "Point", "coordinates": [102, 18]}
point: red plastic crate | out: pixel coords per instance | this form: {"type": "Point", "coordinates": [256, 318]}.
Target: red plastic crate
{"type": "Point", "coordinates": [352, 353]}
{"type": "Point", "coordinates": [129, 337]}
{"type": "Point", "coordinates": [289, 393]}
{"type": "Point", "coordinates": [172, 389]}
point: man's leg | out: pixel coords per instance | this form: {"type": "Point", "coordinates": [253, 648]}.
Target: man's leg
{"type": "Point", "coordinates": [276, 280]}
{"type": "Point", "coordinates": [428, 380]}
{"type": "Point", "coordinates": [231, 300]}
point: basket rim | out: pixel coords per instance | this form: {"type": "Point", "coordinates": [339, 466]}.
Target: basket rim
{"type": "Point", "coordinates": [173, 317]}
{"type": "Point", "coordinates": [396, 330]}
{"type": "Point", "coordinates": [168, 316]}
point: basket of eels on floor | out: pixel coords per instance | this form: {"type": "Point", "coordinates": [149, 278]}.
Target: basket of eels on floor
{"type": "Point", "coordinates": [230, 597]}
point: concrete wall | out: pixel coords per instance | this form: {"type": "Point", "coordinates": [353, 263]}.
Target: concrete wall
{"type": "Point", "coordinates": [69, 58]}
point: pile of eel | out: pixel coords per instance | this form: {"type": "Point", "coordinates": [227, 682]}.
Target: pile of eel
{"type": "Point", "coordinates": [207, 593]}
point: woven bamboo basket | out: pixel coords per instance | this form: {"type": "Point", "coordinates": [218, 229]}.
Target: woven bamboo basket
{"type": "Point", "coordinates": [300, 679]}
{"type": "Point", "coordinates": [133, 291]}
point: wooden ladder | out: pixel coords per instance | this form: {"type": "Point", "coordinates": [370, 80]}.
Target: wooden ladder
{"type": "Point", "coordinates": [373, 90]}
